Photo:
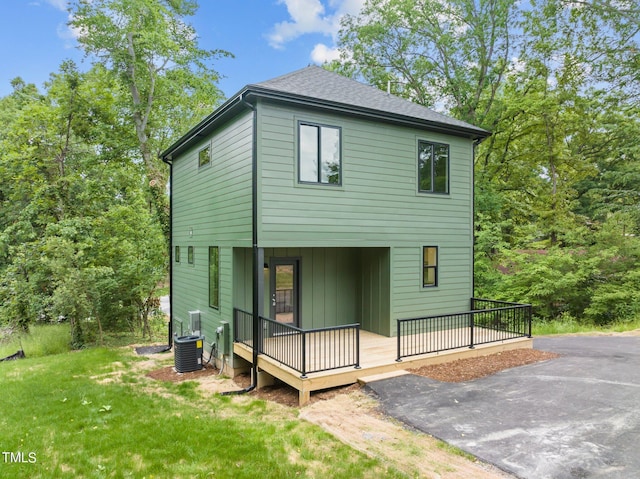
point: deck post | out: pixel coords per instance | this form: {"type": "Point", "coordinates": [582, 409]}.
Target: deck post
{"type": "Point", "coordinates": [303, 352]}
{"type": "Point", "coordinates": [398, 334]}
{"type": "Point", "coordinates": [303, 397]}
{"type": "Point", "coordinates": [358, 346]}
{"type": "Point", "coordinates": [471, 324]}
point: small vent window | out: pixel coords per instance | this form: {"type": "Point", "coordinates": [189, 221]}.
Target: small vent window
{"type": "Point", "coordinates": [204, 156]}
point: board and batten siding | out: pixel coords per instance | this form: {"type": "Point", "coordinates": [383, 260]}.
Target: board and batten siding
{"type": "Point", "coordinates": [377, 205]}
{"type": "Point", "coordinates": [211, 207]}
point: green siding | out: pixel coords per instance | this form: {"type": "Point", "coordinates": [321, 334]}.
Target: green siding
{"type": "Point", "coordinates": [454, 288]}
{"type": "Point", "coordinates": [329, 284]}
{"type": "Point", "coordinates": [338, 285]}
{"type": "Point", "coordinates": [242, 279]}
{"type": "Point", "coordinates": [211, 207]}
{"type": "Point", "coordinates": [377, 205]}
{"type": "Point", "coordinates": [359, 244]}
{"type": "Point", "coordinates": [375, 290]}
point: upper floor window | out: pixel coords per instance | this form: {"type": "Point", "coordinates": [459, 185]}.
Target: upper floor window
{"type": "Point", "coordinates": [204, 156]}
{"type": "Point", "coordinates": [319, 153]}
{"type": "Point", "coordinates": [433, 167]}
{"type": "Point", "coordinates": [190, 254]}
{"type": "Point", "coordinates": [177, 254]}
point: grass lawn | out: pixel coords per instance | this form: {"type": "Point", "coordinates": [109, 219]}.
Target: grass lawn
{"type": "Point", "coordinates": [572, 326]}
{"type": "Point", "coordinates": [93, 413]}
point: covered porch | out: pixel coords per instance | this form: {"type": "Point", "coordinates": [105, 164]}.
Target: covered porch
{"type": "Point", "coordinates": [315, 359]}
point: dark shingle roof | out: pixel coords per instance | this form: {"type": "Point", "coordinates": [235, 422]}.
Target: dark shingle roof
{"type": "Point", "coordinates": [319, 88]}
{"type": "Point", "coordinates": [316, 83]}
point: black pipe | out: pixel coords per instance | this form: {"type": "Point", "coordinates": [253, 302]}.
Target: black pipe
{"type": "Point", "coordinates": [169, 162]}
{"type": "Point", "coordinates": [239, 391]}
{"type": "Point", "coordinates": [473, 220]}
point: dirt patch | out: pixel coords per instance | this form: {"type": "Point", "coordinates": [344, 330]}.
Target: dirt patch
{"type": "Point", "coordinates": [170, 374]}
{"type": "Point", "coordinates": [284, 394]}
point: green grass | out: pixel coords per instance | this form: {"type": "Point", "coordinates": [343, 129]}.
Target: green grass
{"type": "Point", "coordinates": [92, 414]}
{"type": "Point", "coordinates": [42, 340]}
{"type": "Point", "coordinates": [48, 339]}
{"type": "Point", "coordinates": [569, 325]}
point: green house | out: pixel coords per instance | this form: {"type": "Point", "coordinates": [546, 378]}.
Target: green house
{"type": "Point", "coordinates": [317, 201]}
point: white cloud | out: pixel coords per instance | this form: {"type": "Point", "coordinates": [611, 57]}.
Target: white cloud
{"type": "Point", "coordinates": [323, 54]}
{"type": "Point", "coordinates": [58, 4]}
{"type": "Point", "coordinates": [68, 33]}
{"type": "Point", "coordinates": [313, 17]}
{"type": "Point", "coordinates": [307, 17]}
{"type": "Point", "coordinates": [64, 31]}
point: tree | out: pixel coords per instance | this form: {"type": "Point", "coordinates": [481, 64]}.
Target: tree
{"type": "Point", "coordinates": [437, 53]}
{"type": "Point", "coordinates": [77, 238]}
{"type": "Point", "coordinates": [155, 56]}
{"type": "Point", "coordinates": [556, 81]}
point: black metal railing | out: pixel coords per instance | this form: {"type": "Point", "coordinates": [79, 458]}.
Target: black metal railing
{"type": "Point", "coordinates": [502, 317]}
{"type": "Point", "coordinates": [311, 350]}
{"type": "Point", "coordinates": [242, 327]}
{"type": "Point", "coordinates": [303, 350]}
{"type": "Point", "coordinates": [489, 321]}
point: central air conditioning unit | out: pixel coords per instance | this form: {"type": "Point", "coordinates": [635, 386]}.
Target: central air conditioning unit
{"type": "Point", "coordinates": [194, 322]}
{"type": "Point", "coordinates": [188, 353]}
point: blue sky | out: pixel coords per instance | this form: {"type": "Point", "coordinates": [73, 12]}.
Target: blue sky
{"type": "Point", "coordinates": [267, 37]}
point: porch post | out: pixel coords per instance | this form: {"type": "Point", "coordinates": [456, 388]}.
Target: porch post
{"type": "Point", "coordinates": [260, 281]}
{"type": "Point", "coordinates": [258, 302]}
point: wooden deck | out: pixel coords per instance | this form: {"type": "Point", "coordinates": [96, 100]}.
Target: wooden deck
{"type": "Point", "coordinates": [377, 356]}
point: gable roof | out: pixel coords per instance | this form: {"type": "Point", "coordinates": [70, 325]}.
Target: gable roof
{"type": "Point", "coordinates": [316, 87]}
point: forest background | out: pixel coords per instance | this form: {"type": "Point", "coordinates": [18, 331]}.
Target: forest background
{"type": "Point", "coordinates": [83, 196]}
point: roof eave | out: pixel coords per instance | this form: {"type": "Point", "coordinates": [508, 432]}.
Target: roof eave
{"type": "Point", "coordinates": [201, 129]}
{"type": "Point", "coordinates": [471, 132]}
{"type": "Point", "coordinates": [255, 91]}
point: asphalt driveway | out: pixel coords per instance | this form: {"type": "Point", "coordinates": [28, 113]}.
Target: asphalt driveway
{"type": "Point", "coordinates": [577, 416]}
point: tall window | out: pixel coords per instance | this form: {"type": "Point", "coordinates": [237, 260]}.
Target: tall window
{"type": "Point", "coordinates": [190, 254]}
{"type": "Point", "coordinates": [214, 277]}
{"type": "Point", "coordinates": [319, 154]}
{"type": "Point", "coordinates": [429, 266]}
{"type": "Point", "coordinates": [433, 167]}
{"type": "Point", "coordinates": [177, 254]}
{"type": "Point", "coordinates": [204, 156]}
